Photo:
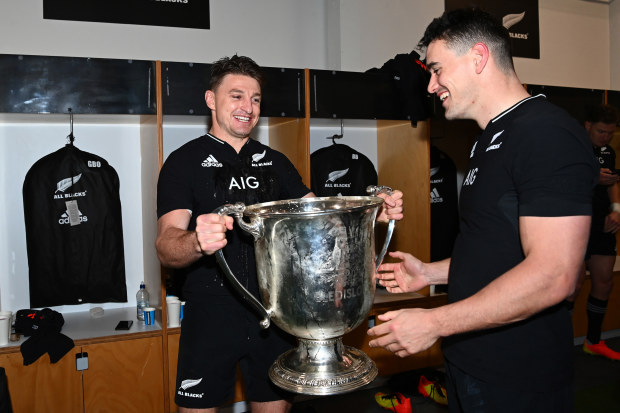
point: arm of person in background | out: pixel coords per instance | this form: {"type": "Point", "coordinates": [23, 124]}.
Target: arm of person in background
{"type": "Point", "coordinates": [553, 248]}
{"type": "Point", "coordinates": [608, 177]}
{"type": "Point", "coordinates": [177, 247]}
{"type": "Point", "coordinates": [612, 220]}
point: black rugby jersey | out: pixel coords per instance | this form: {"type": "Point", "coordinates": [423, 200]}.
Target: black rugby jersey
{"type": "Point", "coordinates": [74, 232]}
{"type": "Point", "coordinates": [531, 160]}
{"type": "Point", "coordinates": [207, 173]}
{"type": "Point", "coordinates": [341, 170]}
{"type": "Point", "coordinates": [444, 204]}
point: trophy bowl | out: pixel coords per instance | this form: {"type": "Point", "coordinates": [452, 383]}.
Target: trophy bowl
{"type": "Point", "coordinates": [316, 270]}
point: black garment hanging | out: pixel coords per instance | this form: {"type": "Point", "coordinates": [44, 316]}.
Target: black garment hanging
{"type": "Point", "coordinates": [341, 170]}
{"type": "Point", "coordinates": [74, 235]}
{"type": "Point", "coordinates": [444, 205]}
{"type": "Point", "coordinates": [412, 80]}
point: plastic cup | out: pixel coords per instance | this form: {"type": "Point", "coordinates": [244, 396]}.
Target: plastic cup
{"type": "Point", "coordinates": [9, 315]}
{"type": "Point", "coordinates": [149, 316]}
{"type": "Point", "coordinates": [5, 322]}
{"type": "Point", "coordinates": [174, 313]}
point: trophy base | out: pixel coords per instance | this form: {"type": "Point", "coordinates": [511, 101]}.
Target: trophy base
{"type": "Point", "coordinates": [322, 367]}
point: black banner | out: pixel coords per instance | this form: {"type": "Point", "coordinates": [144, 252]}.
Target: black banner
{"type": "Point", "coordinates": [520, 17]}
{"type": "Point", "coordinates": [193, 14]}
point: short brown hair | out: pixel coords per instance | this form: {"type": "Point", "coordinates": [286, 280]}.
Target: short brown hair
{"type": "Point", "coordinates": [236, 65]}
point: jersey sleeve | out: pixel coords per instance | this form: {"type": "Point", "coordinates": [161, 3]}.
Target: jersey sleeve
{"type": "Point", "coordinates": [174, 186]}
{"type": "Point", "coordinates": [555, 172]}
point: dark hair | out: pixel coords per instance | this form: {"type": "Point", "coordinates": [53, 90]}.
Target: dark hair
{"type": "Point", "coordinates": [236, 65]}
{"type": "Point", "coordinates": [602, 113]}
{"type": "Point", "coordinates": [463, 28]}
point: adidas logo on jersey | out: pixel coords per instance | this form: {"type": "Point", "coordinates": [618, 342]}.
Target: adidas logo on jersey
{"type": "Point", "coordinates": [64, 218]}
{"type": "Point", "coordinates": [211, 162]}
{"type": "Point", "coordinates": [435, 197]}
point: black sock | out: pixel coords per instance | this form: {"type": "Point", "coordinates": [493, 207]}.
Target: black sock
{"type": "Point", "coordinates": [596, 310]}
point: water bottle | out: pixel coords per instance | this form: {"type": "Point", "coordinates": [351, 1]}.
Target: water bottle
{"type": "Point", "coordinates": [142, 300]}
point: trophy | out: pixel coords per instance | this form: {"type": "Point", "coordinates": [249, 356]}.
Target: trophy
{"type": "Point", "coordinates": [316, 268]}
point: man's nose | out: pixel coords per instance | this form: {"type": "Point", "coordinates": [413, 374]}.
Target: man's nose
{"type": "Point", "coordinates": [432, 85]}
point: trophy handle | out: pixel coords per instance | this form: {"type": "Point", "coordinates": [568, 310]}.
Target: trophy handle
{"type": "Point", "coordinates": [374, 190]}
{"type": "Point", "coordinates": [253, 228]}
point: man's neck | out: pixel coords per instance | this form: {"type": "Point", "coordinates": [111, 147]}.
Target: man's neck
{"type": "Point", "coordinates": [236, 143]}
{"type": "Point", "coordinates": [501, 98]}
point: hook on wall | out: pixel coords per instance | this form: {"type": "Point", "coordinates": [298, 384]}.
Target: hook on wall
{"type": "Point", "coordinates": [70, 136]}
{"type": "Point", "coordinates": [334, 137]}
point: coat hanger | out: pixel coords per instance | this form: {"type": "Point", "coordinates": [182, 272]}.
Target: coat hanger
{"type": "Point", "coordinates": [70, 136]}
{"type": "Point", "coordinates": [334, 137]}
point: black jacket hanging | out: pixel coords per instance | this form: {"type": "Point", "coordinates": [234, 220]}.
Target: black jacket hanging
{"type": "Point", "coordinates": [412, 80]}
{"type": "Point", "coordinates": [444, 205]}
{"type": "Point", "coordinates": [74, 233]}
{"type": "Point", "coordinates": [341, 170]}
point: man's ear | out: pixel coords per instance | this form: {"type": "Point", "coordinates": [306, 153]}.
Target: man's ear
{"type": "Point", "coordinates": [210, 99]}
{"type": "Point", "coordinates": [480, 53]}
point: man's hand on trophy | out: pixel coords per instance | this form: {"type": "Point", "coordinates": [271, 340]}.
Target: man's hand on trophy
{"type": "Point", "coordinates": [392, 208]}
{"type": "Point", "coordinates": [403, 276]}
{"type": "Point", "coordinates": [404, 332]}
{"type": "Point", "coordinates": [211, 232]}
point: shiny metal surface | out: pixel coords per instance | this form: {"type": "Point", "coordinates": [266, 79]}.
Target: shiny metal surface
{"type": "Point", "coordinates": [316, 272]}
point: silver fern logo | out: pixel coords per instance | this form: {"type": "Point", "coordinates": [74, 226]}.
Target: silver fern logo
{"type": "Point", "coordinates": [510, 20]}
{"type": "Point", "coordinates": [186, 384]}
{"type": "Point", "coordinates": [258, 156]}
{"type": "Point", "coordinates": [336, 174]}
{"type": "Point", "coordinates": [66, 183]}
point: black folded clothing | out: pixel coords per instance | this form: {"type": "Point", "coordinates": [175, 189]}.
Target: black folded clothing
{"type": "Point", "coordinates": [31, 322]}
{"type": "Point", "coordinates": [43, 327]}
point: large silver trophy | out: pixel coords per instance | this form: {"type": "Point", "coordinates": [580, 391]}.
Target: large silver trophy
{"type": "Point", "coordinates": [316, 267]}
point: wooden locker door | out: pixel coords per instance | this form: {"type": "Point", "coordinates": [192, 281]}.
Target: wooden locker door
{"type": "Point", "coordinates": [124, 376]}
{"type": "Point", "coordinates": [43, 386]}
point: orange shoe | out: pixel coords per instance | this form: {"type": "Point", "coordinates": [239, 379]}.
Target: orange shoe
{"type": "Point", "coordinates": [434, 390]}
{"type": "Point", "coordinates": [394, 402]}
{"type": "Point", "coordinates": [600, 349]}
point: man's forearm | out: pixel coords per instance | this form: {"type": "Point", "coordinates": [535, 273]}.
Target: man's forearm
{"type": "Point", "coordinates": [178, 248]}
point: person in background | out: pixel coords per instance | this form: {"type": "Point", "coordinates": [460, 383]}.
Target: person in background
{"type": "Point", "coordinates": [601, 122]}
{"type": "Point", "coordinates": [524, 220]}
{"type": "Point", "coordinates": [219, 329]}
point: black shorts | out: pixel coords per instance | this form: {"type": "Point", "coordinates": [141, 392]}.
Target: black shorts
{"type": "Point", "coordinates": [214, 337]}
{"type": "Point", "coordinates": [469, 394]}
{"type": "Point", "coordinates": [601, 243]}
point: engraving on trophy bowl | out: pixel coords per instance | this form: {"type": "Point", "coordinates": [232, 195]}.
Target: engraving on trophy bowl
{"type": "Point", "coordinates": [316, 274]}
